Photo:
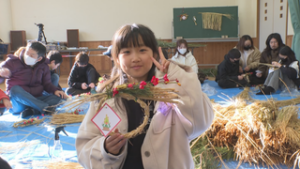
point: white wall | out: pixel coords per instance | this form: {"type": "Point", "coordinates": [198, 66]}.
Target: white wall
{"type": "Point", "coordinates": [247, 17]}
{"type": "Point", "coordinates": [5, 20]}
{"type": "Point", "coordinates": [99, 19]}
{"type": "Point", "coordinates": [290, 26]}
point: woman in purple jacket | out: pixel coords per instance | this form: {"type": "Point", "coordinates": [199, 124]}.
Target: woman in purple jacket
{"type": "Point", "coordinates": [28, 75]}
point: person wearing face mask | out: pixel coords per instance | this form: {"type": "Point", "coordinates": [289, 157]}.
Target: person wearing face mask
{"type": "Point", "coordinates": [83, 76]}
{"type": "Point", "coordinates": [28, 75]}
{"type": "Point", "coordinates": [250, 57]}
{"type": "Point", "coordinates": [228, 75]}
{"type": "Point", "coordinates": [286, 69]}
{"type": "Point", "coordinates": [184, 56]}
{"type": "Point", "coordinates": [270, 54]}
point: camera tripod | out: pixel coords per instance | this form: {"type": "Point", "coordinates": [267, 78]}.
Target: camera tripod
{"type": "Point", "coordinates": [41, 32]}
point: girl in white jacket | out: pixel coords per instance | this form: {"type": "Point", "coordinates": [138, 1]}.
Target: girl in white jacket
{"type": "Point", "coordinates": [184, 56]}
{"type": "Point", "coordinates": [165, 143]}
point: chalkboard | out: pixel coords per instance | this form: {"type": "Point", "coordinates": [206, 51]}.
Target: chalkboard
{"type": "Point", "coordinates": [188, 30]}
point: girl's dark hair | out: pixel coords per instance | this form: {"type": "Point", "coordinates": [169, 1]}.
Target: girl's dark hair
{"type": "Point", "coordinates": [82, 58]}
{"type": "Point", "coordinates": [240, 46]}
{"type": "Point", "coordinates": [127, 36]}
{"type": "Point", "coordinates": [179, 42]}
{"type": "Point", "coordinates": [287, 51]}
{"type": "Point", "coordinates": [276, 36]}
{"type": "Point", "coordinates": [134, 35]}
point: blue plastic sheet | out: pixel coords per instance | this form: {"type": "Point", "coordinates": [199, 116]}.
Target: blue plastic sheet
{"type": "Point", "coordinates": [39, 139]}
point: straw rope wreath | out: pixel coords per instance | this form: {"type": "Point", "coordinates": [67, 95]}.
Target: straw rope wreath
{"type": "Point", "coordinates": [136, 92]}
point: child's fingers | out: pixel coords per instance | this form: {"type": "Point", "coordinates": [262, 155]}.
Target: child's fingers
{"type": "Point", "coordinates": [157, 64]}
{"type": "Point", "coordinates": [113, 143]}
{"type": "Point", "coordinates": [161, 54]}
{"type": "Point", "coordinates": [166, 65]}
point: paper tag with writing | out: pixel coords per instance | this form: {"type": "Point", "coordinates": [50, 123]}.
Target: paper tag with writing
{"type": "Point", "coordinates": [106, 120]}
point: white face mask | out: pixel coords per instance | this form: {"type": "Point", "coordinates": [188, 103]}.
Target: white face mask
{"type": "Point", "coordinates": [182, 51]}
{"type": "Point", "coordinates": [29, 60]}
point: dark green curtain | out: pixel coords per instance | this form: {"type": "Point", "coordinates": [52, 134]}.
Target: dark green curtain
{"type": "Point", "coordinates": [294, 6]}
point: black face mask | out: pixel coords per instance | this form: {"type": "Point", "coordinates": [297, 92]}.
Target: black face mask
{"type": "Point", "coordinates": [237, 61]}
{"type": "Point", "coordinates": [283, 60]}
{"type": "Point", "coordinates": [247, 47]}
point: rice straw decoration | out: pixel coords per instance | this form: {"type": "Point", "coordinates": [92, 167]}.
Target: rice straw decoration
{"type": "Point", "coordinates": [28, 122]}
{"type": "Point", "coordinates": [212, 20]}
{"type": "Point", "coordinates": [137, 92]}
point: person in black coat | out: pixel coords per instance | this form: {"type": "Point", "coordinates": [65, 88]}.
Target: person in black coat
{"type": "Point", "coordinates": [83, 76]}
{"type": "Point", "coordinates": [228, 75]}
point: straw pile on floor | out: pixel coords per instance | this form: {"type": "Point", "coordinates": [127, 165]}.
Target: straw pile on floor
{"type": "Point", "coordinates": [259, 133]}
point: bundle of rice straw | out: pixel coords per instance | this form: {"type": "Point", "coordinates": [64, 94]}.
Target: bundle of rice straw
{"type": "Point", "coordinates": [130, 92]}
{"type": "Point", "coordinates": [260, 133]}
{"type": "Point", "coordinates": [66, 118]}
{"type": "Point", "coordinates": [212, 20]}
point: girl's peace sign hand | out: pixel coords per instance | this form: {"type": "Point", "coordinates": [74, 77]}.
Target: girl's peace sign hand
{"type": "Point", "coordinates": [163, 65]}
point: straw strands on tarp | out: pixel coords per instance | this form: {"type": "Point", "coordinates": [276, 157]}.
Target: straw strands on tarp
{"type": "Point", "coordinates": [259, 133]}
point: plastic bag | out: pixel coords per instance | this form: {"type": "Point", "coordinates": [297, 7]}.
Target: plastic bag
{"type": "Point", "coordinates": [208, 90]}
{"type": "Point", "coordinates": [290, 92]}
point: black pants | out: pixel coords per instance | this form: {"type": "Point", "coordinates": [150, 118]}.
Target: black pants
{"type": "Point", "coordinates": [72, 91]}
{"type": "Point", "coordinates": [4, 164]}
{"type": "Point", "coordinates": [254, 80]}
{"type": "Point", "coordinates": [228, 83]}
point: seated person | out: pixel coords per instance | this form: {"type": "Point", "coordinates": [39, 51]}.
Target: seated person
{"type": "Point", "coordinates": [83, 76]}
{"type": "Point", "coordinates": [228, 75]}
{"type": "Point", "coordinates": [184, 56]}
{"type": "Point", "coordinates": [54, 60]}
{"type": "Point", "coordinates": [27, 77]}
{"type": "Point", "coordinates": [287, 70]}
{"type": "Point", "coordinates": [4, 102]}
{"type": "Point", "coordinates": [270, 54]}
{"type": "Point", "coordinates": [249, 61]}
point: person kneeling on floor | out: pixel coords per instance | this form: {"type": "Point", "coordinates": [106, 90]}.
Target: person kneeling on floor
{"type": "Point", "coordinates": [228, 75]}
{"type": "Point", "coordinates": [286, 70]}
{"type": "Point", "coordinates": [54, 59]}
{"type": "Point", "coordinates": [83, 76]}
{"type": "Point", "coordinates": [27, 77]}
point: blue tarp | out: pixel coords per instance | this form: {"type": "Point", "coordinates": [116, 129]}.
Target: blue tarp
{"type": "Point", "coordinates": [39, 139]}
